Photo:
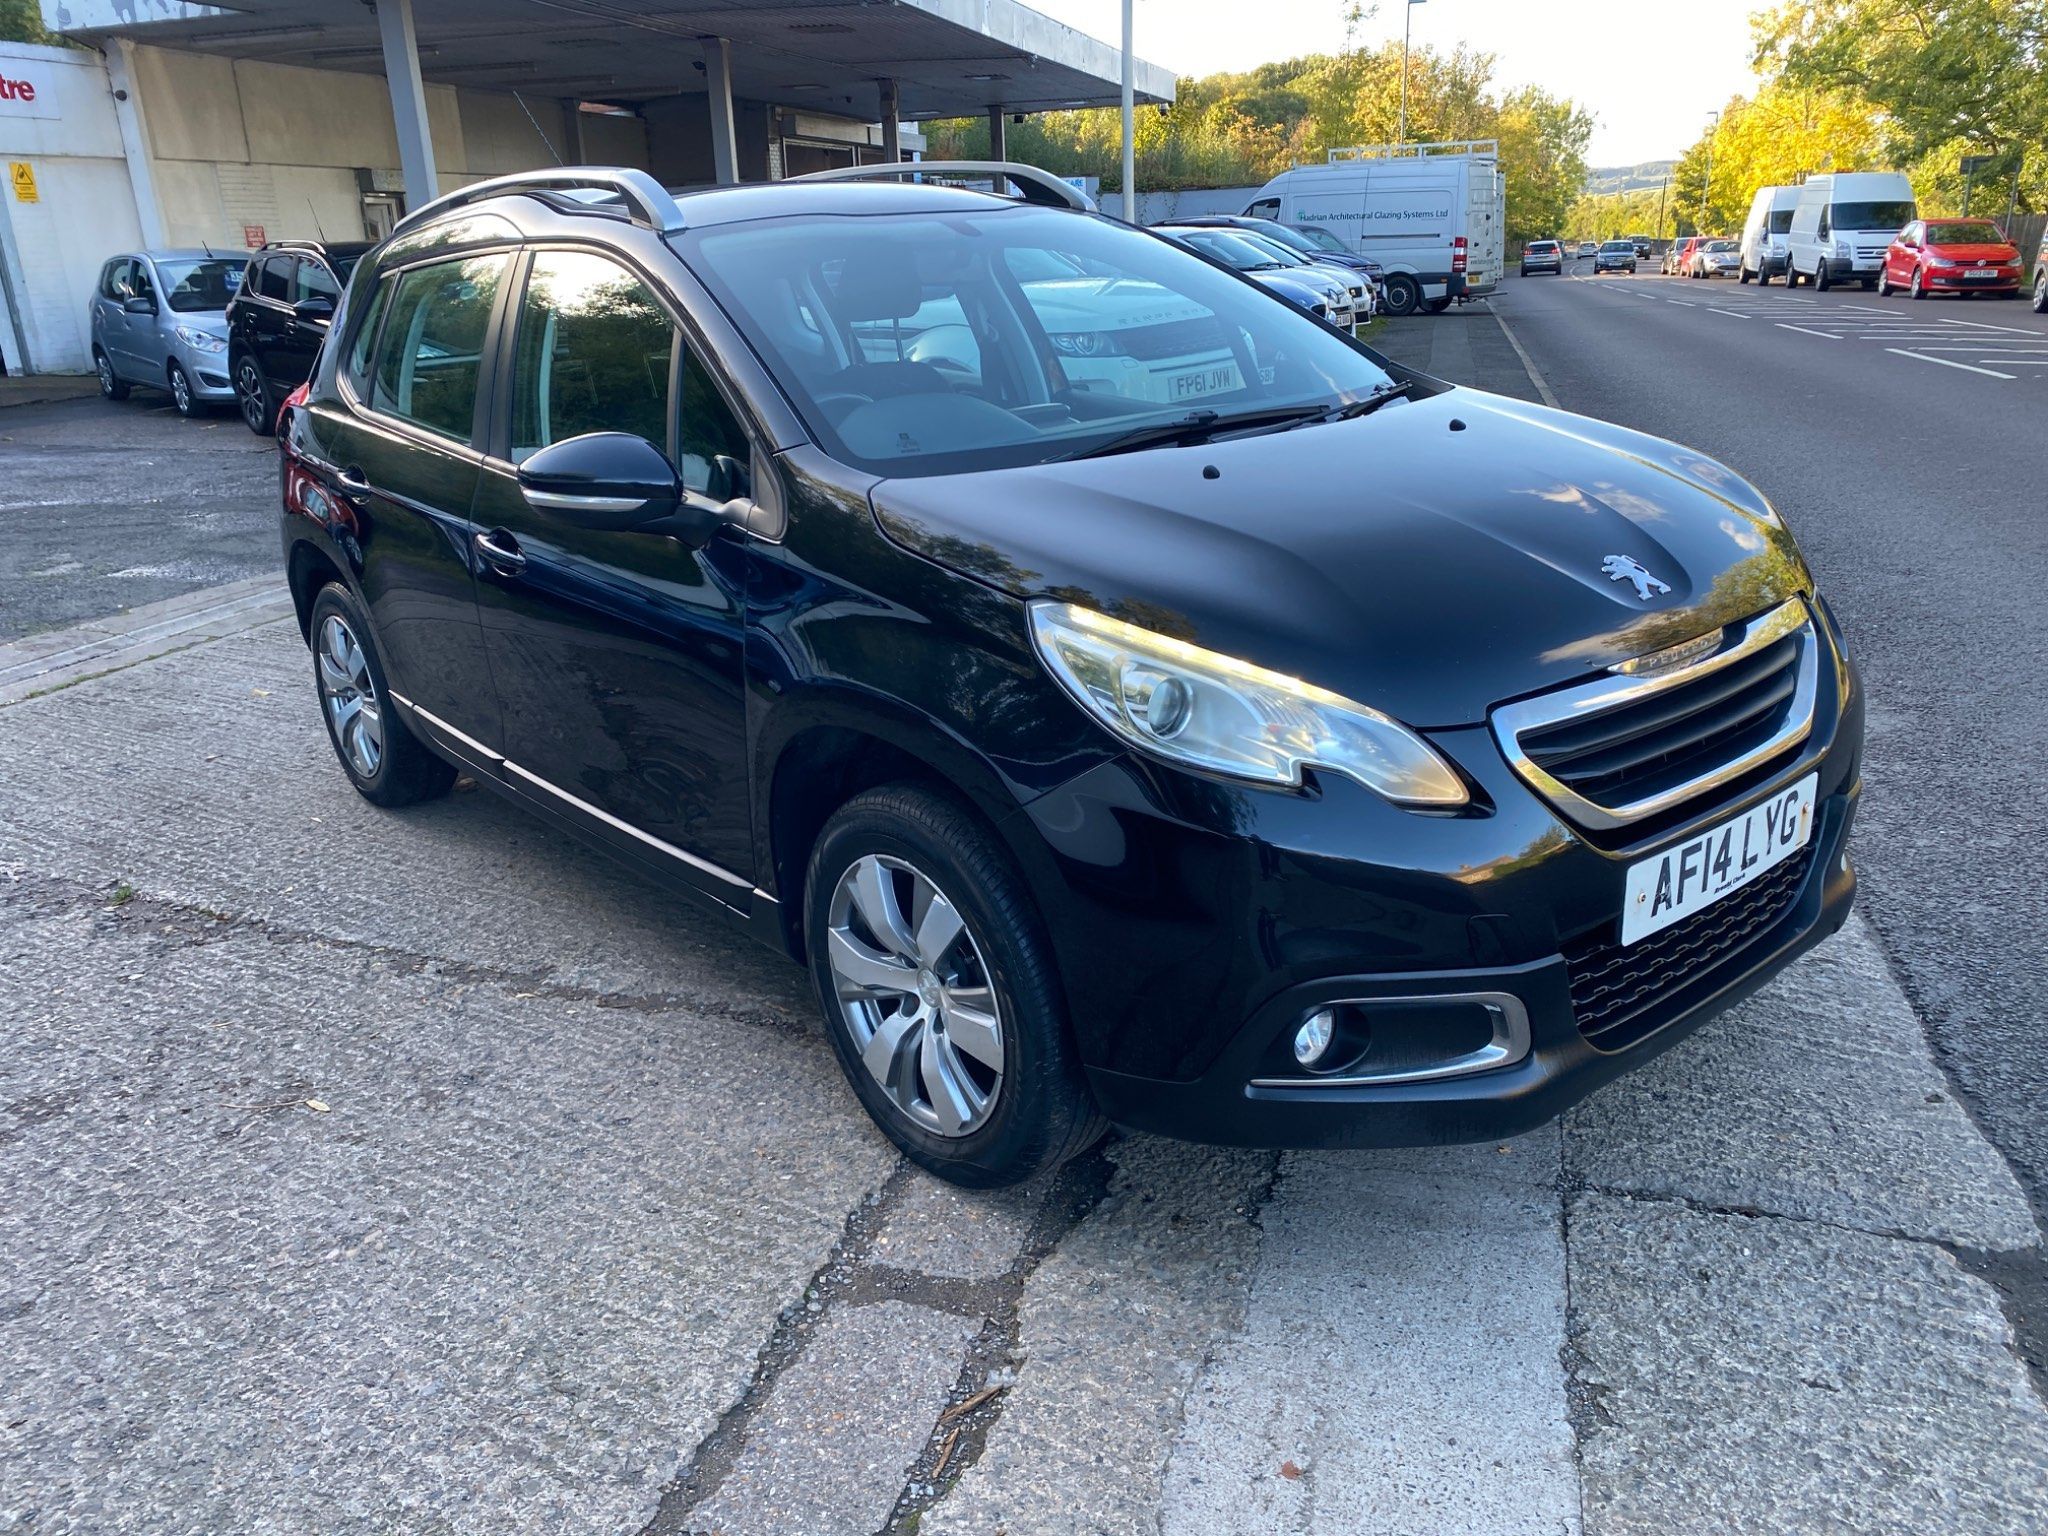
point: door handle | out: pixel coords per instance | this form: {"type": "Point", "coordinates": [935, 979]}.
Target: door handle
{"type": "Point", "coordinates": [500, 551]}
{"type": "Point", "coordinates": [350, 483]}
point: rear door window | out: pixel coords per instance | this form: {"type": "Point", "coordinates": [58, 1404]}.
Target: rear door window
{"type": "Point", "coordinates": [274, 277]}
{"type": "Point", "coordinates": [312, 280]}
{"type": "Point", "coordinates": [430, 351]}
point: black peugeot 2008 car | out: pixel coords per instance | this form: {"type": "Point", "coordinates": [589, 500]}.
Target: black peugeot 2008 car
{"type": "Point", "coordinates": [1134, 701]}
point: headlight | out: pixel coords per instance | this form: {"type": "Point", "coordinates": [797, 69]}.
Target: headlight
{"type": "Point", "coordinates": [201, 341]}
{"type": "Point", "coordinates": [1943, 262]}
{"type": "Point", "coordinates": [1841, 247]}
{"type": "Point", "coordinates": [1210, 711]}
{"type": "Point", "coordinates": [1085, 343]}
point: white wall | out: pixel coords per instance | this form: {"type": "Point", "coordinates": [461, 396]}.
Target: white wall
{"type": "Point", "coordinates": [1160, 207]}
{"type": "Point", "coordinates": [85, 211]}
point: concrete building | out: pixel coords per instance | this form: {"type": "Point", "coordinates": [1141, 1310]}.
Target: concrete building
{"type": "Point", "coordinates": [177, 123]}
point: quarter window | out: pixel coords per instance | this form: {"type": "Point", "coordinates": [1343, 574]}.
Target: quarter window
{"type": "Point", "coordinates": [430, 351]}
{"type": "Point", "coordinates": [595, 353]}
{"type": "Point", "coordinates": [366, 338]}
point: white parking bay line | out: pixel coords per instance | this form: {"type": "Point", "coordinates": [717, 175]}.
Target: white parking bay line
{"type": "Point", "coordinates": [1966, 367]}
{"type": "Point", "coordinates": [1823, 335]}
{"type": "Point", "coordinates": [1687, 303]}
{"type": "Point", "coordinates": [1985, 325]}
{"type": "Point", "coordinates": [1731, 314]}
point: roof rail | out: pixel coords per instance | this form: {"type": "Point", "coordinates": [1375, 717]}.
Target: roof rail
{"type": "Point", "coordinates": [647, 203]}
{"type": "Point", "coordinates": [1033, 184]}
{"type": "Point", "coordinates": [1414, 151]}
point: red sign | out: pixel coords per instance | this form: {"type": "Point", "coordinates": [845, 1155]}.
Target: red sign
{"type": "Point", "coordinates": [253, 236]}
{"type": "Point", "coordinates": [16, 90]}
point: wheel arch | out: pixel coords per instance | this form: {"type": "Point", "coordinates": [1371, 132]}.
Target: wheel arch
{"type": "Point", "coordinates": [307, 570]}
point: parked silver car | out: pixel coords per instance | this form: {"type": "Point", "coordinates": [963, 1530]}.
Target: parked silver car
{"type": "Point", "coordinates": [159, 318]}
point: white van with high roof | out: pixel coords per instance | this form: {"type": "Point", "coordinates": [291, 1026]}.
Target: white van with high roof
{"type": "Point", "coordinates": [1766, 233]}
{"type": "Point", "coordinates": [1844, 223]}
{"type": "Point", "coordinates": [1434, 216]}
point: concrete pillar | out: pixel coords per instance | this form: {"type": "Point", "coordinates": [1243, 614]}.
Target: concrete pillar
{"type": "Point", "coordinates": [574, 150]}
{"type": "Point", "coordinates": [408, 102]}
{"type": "Point", "coordinates": [998, 134]}
{"type": "Point", "coordinates": [132, 117]}
{"type": "Point", "coordinates": [725, 160]}
{"type": "Point", "coordinates": [892, 129]}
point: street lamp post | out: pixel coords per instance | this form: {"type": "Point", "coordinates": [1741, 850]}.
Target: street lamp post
{"type": "Point", "coordinates": [1407, 27]}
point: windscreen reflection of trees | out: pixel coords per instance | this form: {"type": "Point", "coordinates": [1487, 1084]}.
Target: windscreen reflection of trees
{"type": "Point", "coordinates": [606, 367]}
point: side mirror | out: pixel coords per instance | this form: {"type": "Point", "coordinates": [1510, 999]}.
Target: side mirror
{"type": "Point", "coordinates": [614, 482]}
{"type": "Point", "coordinates": [140, 304]}
{"type": "Point", "coordinates": [316, 311]}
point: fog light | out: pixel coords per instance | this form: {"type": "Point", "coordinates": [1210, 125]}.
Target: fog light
{"type": "Point", "coordinates": [1314, 1036]}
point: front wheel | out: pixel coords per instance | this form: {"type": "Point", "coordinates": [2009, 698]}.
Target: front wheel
{"type": "Point", "coordinates": [1822, 278]}
{"type": "Point", "coordinates": [1884, 283]}
{"type": "Point", "coordinates": [1918, 289]}
{"type": "Point", "coordinates": [2041, 291]}
{"type": "Point", "coordinates": [1742, 275]}
{"type": "Point", "coordinates": [252, 394]}
{"type": "Point", "coordinates": [181, 393]}
{"type": "Point", "coordinates": [940, 993]}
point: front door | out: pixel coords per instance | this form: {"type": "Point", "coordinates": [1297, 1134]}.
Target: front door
{"type": "Point", "coordinates": [618, 655]}
{"type": "Point", "coordinates": [398, 456]}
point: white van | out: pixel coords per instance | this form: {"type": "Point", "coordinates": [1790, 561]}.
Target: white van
{"type": "Point", "coordinates": [1766, 233]}
{"type": "Point", "coordinates": [1843, 224]}
{"type": "Point", "coordinates": [1434, 216]}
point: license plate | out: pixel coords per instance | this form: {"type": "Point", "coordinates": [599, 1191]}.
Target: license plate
{"type": "Point", "coordinates": [1205, 381]}
{"type": "Point", "coordinates": [1670, 886]}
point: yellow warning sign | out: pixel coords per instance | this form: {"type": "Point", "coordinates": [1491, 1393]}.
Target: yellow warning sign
{"type": "Point", "coordinates": [23, 175]}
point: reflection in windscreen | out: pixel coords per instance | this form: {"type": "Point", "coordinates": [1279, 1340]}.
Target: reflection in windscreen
{"type": "Point", "coordinates": [937, 342]}
{"type": "Point", "coordinates": [1871, 215]}
{"type": "Point", "coordinates": [1975, 232]}
{"type": "Point", "coordinates": [193, 287]}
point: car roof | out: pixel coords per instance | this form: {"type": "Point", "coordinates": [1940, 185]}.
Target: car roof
{"type": "Point", "coordinates": [705, 206]}
{"type": "Point", "coordinates": [188, 253]}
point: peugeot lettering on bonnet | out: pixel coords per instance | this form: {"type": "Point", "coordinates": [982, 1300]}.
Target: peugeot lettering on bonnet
{"type": "Point", "coordinates": [1133, 700]}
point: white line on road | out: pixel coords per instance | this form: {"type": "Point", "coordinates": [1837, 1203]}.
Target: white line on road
{"type": "Point", "coordinates": [1966, 367]}
{"type": "Point", "coordinates": [1823, 335]}
{"type": "Point", "coordinates": [1985, 325]}
{"type": "Point", "coordinates": [1731, 314]}
{"type": "Point", "coordinates": [1687, 303]}
{"type": "Point", "coordinates": [1975, 346]}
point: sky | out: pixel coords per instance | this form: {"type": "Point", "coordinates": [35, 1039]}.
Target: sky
{"type": "Point", "coordinates": [1617, 61]}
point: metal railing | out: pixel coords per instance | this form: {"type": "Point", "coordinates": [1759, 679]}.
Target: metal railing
{"type": "Point", "coordinates": [1455, 147]}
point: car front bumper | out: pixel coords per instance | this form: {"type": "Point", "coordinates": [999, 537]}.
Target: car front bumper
{"type": "Point", "coordinates": [1196, 924]}
{"type": "Point", "coordinates": [1959, 282]}
{"type": "Point", "coordinates": [208, 373]}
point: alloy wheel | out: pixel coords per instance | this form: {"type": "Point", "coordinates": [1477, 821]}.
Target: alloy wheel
{"type": "Point", "coordinates": [181, 391]}
{"type": "Point", "coordinates": [349, 695]}
{"type": "Point", "coordinates": [249, 391]}
{"type": "Point", "coordinates": [914, 994]}
{"type": "Point", "coordinates": [106, 373]}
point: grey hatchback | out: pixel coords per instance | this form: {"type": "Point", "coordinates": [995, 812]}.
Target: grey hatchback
{"type": "Point", "coordinates": [159, 318]}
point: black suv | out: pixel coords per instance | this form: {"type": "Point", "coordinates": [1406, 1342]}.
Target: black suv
{"type": "Point", "coordinates": [1133, 700]}
{"type": "Point", "coordinates": [278, 318]}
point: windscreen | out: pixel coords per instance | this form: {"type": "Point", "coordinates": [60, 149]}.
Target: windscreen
{"type": "Point", "coordinates": [934, 343]}
{"type": "Point", "coordinates": [1321, 239]}
{"type": "Point", "coordinates": [194, 287]}
{"type": "Point", "coordinates": [1781, 221]}
{"type": "Point", "coordinates": [1871, 215]}
{"type": "Point", "coordinates": [1965, 232]}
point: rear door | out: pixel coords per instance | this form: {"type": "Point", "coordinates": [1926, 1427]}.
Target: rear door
{"type": "Point", "coordinates": [110, 321]}
{"type": "Point", "coordinates": [146, 346]}
{"type": "Point", "coordinates": [1485, 224]}
{"type": "Point", "coordinates": [301, 337]}
{"type": "Point", "coordinates": [267, 321]}
{"type": "Point", "coordinates": [618, 656]}
{"type": "Point", "coordinates": [397, 445]}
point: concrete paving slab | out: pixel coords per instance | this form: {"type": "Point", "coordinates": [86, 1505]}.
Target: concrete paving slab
{"type": "Point", "coordinates": [1114, 1325]}
{"type": "Point", "coordinates": [206, 777]}
{"type": "Point", "coordinates": [1819, 1098]}
{"type": "Point", "coordinates": [299, 1238]}
{"type": "Point", "coordinates": [1398, 1370]}
{"type": "Point", "coordinates": [1741, 1374]}
{"type": "Point", "coordinates": [965, 1234]}
{"type": "Point", "coordinates": [829, 1452]}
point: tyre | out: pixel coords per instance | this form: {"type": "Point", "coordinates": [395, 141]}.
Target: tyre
{"type": "Point", "coordinates": [252, 394]}
{"type": "Point", "coordinates": [1404, 294]}
{"type": "Point", "coordinates": [1742, 274]}
{"type": "Point", "coordinates": [1918, 289]}
{"type": "Point", "coordinates": [181, 391]}
{"type": "Point", "coordinates": [1884, 283]}
{"type": "Point", "coordinates": [2041, 291]}
{"type": "Point", "coordinates": [939, 991]}
{"type": "Point", "coordinates": [388, 765]}
{"type": "Point", "coordinates": [1822, 278]}
{"type": "Point", "coordinates": [1868, 283]}
{"type": "Point", "coordinates": [1438, 306]}
{"type": "Point", "coordinates": [112, 385]}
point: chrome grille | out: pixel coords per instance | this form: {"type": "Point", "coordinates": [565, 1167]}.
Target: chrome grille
{"type": "Point", "coordinates": [1174, 338]}
{"type": "Point", "coordinates": [1635, 745]}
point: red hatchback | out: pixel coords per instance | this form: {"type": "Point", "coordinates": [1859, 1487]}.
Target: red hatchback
{"type": "Point", "coordinates": [1951, 256]}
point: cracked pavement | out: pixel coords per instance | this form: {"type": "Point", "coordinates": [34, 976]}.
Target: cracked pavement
{"type": "Point", "coordinates": [423, 1172]}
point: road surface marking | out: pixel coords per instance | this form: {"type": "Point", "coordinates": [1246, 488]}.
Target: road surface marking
{"type": "Point", "coordinates": [1731, 314]}
{"type": "Point", "coordinates": [1983, 325]}
{"type": "Point", "coordinates": [1687, 303]}
{"type": "Point", "coordinates": [1823, 335]}
{"type": "Point", "coordinates": [1966, 367]}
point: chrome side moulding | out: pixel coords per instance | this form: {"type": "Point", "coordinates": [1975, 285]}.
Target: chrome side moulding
{"type": "Point", "coordinates": [1617, 690]}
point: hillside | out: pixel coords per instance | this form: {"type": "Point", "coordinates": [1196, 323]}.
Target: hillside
{"type": "Point", "coordinates": [1648, 176]}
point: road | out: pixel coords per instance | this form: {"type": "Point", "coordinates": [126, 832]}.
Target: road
{"type": "Point", "coordinates": [1903, 442]}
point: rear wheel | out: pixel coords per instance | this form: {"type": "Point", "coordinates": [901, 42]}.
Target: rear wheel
{"type": "Point", "coordinates": [1438, 306]}
{"type": "Point", "coordinates": [252, 394]}
{"type": "Point", "coordinates": [112, 385]}
{"type": "Point", "coordinates": [1404, 294]}
{"type": "Point", "coordinates": [383, 759]}
{"type": "Point", "coordinates": [1742, 274]}
{"type": "Point", "coordinates": [1869, 283]}
{"type": "Point", "coordinates": [939, 991]}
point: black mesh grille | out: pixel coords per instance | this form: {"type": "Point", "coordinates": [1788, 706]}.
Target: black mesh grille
{"type": "Point", "coordinates": [1671, 738]}
{"type": "Point", "coordinates": [1174, 338]}
{"type": "Point", "coordinates": [1615, 990]}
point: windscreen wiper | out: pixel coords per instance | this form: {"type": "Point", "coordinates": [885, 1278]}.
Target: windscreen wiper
{"type": "Point", "coordinates": [1370, 403]}
{"type": "Point", "coordinates": [1195, 427]}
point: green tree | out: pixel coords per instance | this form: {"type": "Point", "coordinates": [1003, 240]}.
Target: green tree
{"type": "Point", "coordinates": [21, 21]}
